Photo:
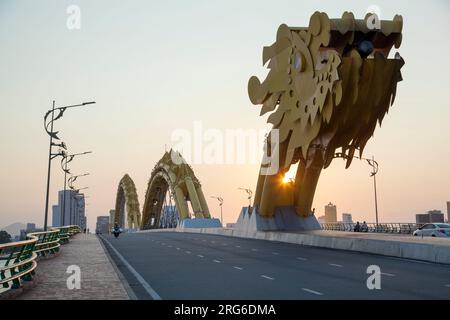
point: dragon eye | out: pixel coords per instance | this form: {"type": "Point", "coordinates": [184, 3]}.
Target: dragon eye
{"type": "Point", "coordinates": [299, 62]}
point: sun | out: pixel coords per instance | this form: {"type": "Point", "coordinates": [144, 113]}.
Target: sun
{"type": "Point", "coordinates": [288, 177]}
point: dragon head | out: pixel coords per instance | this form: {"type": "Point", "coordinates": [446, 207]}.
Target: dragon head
{"type": "Point", "coordinates": [328, 85]}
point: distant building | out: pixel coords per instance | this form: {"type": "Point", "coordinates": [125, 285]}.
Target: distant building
{"type": "Point", "coordinates": [102, 226]}
{"type": "Point", "coordinates": [330, 213]}
{"type": "Point", "coordinates": [321, 219]}
{"type": "Point", "coordinates": [448, 211]}
{"type": "Point", "coordinates": [56, 216]}
{"type": "Point", "coordinates": [431, 216]}
{"type": "Point", "coordinates": [347, 218]}
{"type": "Point", "coordinates": [73, 205]}
{"type": "Point", "coordinates": [31, 227]}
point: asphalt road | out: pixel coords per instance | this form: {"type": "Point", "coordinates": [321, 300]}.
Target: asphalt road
{"type": "Point", "coordinates": [172, 265]}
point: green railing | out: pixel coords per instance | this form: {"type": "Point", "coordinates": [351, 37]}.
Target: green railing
{"type": "Point", "coordinates": [48, 242]}
{"type": "Point", "coordinates": [18, 260]}
{"type": "Point", "coordinates": [17, 263]}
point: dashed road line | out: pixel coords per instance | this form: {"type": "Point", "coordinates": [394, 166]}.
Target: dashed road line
{"type": "Point", "coordinates": [216, 261]}
{"type": "Point", "coordinates": [387, 274]}
{"type": "Point", "coordinates": [200, 256]}
{"type": "Point", "coordinates": [275, 253]}
{"type": "Point", "coordinates": [188, 252]}
{"type": "Point", "coordinates": [313, 291]}
{"type": "Point", "coordinates": [301, 258]}
{"type": "Point", "coordinates": [336, 265]}
{"type": "Point", "coordinates": [239, 268]}
{"type": "Point", "coordinates": [267, 277]}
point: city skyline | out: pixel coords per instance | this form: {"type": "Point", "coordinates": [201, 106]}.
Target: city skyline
{"type": "Point", "coordinates": [141, 70]}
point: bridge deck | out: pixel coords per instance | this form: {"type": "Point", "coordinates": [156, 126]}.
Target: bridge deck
{"type": "Point", "coordinates": [98, 277]}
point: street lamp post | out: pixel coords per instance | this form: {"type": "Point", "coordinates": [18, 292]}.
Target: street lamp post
{"type": "Point", "coordinates": [66, 159]}
{"type": "Point", "coordinates": [220, 199]}
{"type": "Point", "coordinates": [249, 194]}
{"type": "Point", "coordinates": [374, 165]}
{"type": "Point", "coordinates": [48, 125]}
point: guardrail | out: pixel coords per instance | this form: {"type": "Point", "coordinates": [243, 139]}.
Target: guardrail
{"type": "Point", "coordinates": [48, 242]}
{"type": "Point", "coordinates": [18, 260]}
{"type": "Point", "coordinates": [400, 228]}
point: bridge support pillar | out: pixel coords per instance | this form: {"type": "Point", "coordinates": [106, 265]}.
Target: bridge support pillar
{"type": "Point", "coordinates": [194, 198]}
{"type": "Point", "coordinates": [181, 203]}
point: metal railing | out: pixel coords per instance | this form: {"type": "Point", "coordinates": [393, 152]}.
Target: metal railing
{"type": "Point", "coordinates": [17, 263]}
{"type": "Point", "coordinates": [400, 228]}
{"type": "Point", "coordinates": [18, 260]}
{"type": "Point", "coordinates": [48, 242]}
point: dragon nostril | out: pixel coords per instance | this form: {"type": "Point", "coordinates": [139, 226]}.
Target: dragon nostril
{"type": "Point", "coordinates": [365, 48]}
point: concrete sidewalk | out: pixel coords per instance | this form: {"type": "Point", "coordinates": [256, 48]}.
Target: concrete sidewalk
{"type": "Point", "coordinates": [99, 279]}
{"type": "Point", "coordinates": [428, 249]}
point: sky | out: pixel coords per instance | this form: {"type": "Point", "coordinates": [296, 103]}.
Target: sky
{"type": "Point", "coordinates": [155, 67]}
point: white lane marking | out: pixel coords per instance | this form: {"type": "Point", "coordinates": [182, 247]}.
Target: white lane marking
{"type": "Point", "coordinates": [237, 246]}
{"type": "Point", "coordinates": [213, 241]}
{"type": "Point", "coordinates": [138, 277]}
{"type": "Point", "coordinates": [216, 261]}
{"type": "Point", "coordinates": [188, 252]}
{"type": "Point", "coordinates": [336, 265]}
{"type": "Point", "coordinates": [200, 256]}
{"type": "Point", "coordinates": [387, 274]}
{"type": "Point", "coordinates": [313, 291]}
{"type": "Point", "coordinates": [275, 253]}
{"type": "Point", "coordinates": [204, 240]}
{"type": "Point", "coordinates": [254, 249]}
{"type": "Point", "coordinates": [300, 258]}
{"type": "Point", "coordinates": [267, 277]}
{"type": "Point", "coordinates": [169, 246]}
{"type": "Point", "coordinates": [178, 248]}
{"type": "Point", "coordinates": [163, 243]}
{"type": "Point", "coordinates": [239, 268]}
{"type": "Point", "coordinates": [447, 285]}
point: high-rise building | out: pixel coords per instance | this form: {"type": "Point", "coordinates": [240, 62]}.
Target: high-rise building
{"type": "Point", "coordinates": [448, 211]}
{"type": "Point", "coordinates": [347, 218]}
{"type": "Point", "coordinates": [31, 227]}
{"type": "Point", "coordinates": [56, 216]}
{"type": "Point", "coordinates": [432, 216]}
{"type": "Point", "coordinates": [330, 213]}
{"type": "Point", "coordinates": [102, 226]}
{"type": "Point", "coordinates": [70, 209]}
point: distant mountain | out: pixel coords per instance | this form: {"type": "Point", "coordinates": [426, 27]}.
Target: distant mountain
{"type": "Point", "coordinates": [14, 229]}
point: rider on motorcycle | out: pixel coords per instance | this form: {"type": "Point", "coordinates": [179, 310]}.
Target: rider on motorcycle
{"type": "Point", "coordinates": [116, 230]}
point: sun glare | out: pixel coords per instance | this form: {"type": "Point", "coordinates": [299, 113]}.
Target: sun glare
{"type": "Point", "coordinates": [288, 177]}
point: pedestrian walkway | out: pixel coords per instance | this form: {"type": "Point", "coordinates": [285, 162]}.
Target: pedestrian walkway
{"type": "Point", "coordinates": [99, 279]}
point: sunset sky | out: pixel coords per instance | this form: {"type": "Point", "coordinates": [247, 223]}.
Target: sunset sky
{"type": "Point", "coordinates": [157, 66]}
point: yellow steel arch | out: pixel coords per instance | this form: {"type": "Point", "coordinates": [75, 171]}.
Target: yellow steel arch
{"type": "Point", "coordinates": [127, 203]}
{"type": "Point", "coordinates": [173, 174]}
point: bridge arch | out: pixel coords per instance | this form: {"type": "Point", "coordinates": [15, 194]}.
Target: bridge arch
{"type": "Point", "coordinates": [173, 179]}
{"type": "Point", "coordinates": [127, 204]}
